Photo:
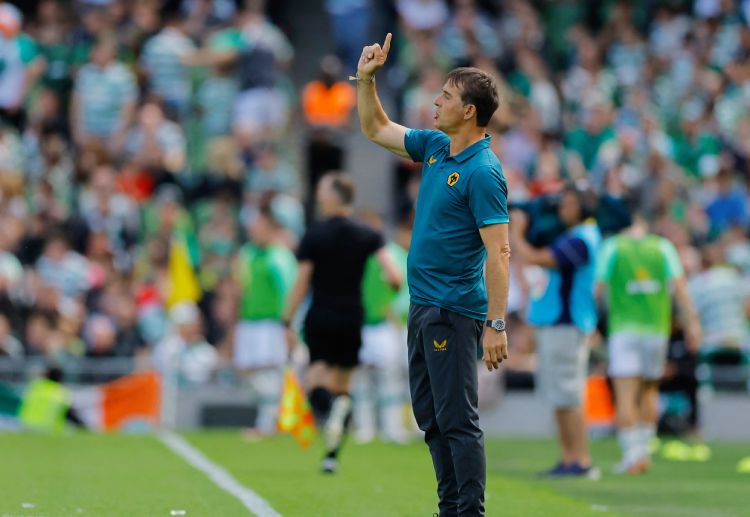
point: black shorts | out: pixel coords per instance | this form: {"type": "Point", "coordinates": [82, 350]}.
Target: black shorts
{"type": "Point", "coordinates": [335, 341]}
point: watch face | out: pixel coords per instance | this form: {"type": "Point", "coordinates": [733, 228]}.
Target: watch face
{"type": "Point", "coordinates": [498, 325]}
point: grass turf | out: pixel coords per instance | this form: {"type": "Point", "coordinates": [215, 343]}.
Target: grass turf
{"type": "Point", "coordinates": [384, 480]}
{"type": "Point", "coordinates": [136, 476]}
{"type": "Point", "coordinates": [87, 475]}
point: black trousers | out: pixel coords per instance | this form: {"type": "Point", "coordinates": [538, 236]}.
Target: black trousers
{"type": "Point", "coordinates": [443, 383]}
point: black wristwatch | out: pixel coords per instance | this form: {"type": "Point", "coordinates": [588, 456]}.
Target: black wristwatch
{"type": "Point", "coordinates": [498, 325]}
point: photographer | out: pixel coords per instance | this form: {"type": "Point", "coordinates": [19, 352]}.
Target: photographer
{"type": "Point", "coordinates": [563, 312]}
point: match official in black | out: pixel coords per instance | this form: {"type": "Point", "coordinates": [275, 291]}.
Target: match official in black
{"type": "Point", "coordinates": [332, 257]}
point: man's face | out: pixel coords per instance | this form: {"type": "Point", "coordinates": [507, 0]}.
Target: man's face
{"type": "Point", "coordinates": [569, 210]}
{"type": "Point", "coordinates": [450, 110]}
{"type": "Point", "coordinates": [261, 230]}
{"type": "Point", "coordinates": [328, 200]}
{"type": "Point", "coordinates": [103, 54]}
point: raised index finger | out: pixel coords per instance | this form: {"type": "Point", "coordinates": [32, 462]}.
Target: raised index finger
{"type": "Point", "coordinates": [387, 44]}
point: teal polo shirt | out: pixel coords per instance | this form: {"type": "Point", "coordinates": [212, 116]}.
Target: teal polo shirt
{"type": "Point", "coordinates": [457, 196]}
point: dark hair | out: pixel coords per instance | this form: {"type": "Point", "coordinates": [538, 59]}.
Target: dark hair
{"type": "Point", "coordinates": [586, 199]}
{"type": "Point", "coordinates": [343, 185]}
{"type": "Point", "coordinates": [478, 88]}
{"type": "Point", "coordinates": [54, 373]}
{"type": "Point", "coordinates": [265, 208]}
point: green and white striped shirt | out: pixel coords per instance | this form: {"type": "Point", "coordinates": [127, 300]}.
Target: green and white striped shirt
{"type": "Point", "coordinates": [103, 92]}
{"type": "Point", "coordinates": [162, 60]}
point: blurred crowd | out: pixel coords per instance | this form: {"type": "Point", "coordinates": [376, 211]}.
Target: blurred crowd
{"type": "Point", "coordinates": [640, 103]}
{"type": "Point", "coordinates": [126, 127]}
{"type": "Point", "coordinates": [126, 123]}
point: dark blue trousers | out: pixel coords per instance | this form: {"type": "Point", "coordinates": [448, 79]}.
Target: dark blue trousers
{"type": "Point", "coordinates": [443, 349]}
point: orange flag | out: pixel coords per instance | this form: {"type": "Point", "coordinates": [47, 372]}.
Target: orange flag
{"type": "Point", "coordinates": [135, 396]}
{"type": "Point", "coordinates": [295, 414]}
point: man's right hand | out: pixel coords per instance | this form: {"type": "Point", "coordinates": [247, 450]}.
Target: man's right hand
{"type": "Point", "coordinates": [291, 341]}
{"type": "Point", "coordinates": [373, 58]}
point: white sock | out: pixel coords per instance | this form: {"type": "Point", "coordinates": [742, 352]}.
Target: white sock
{"type": "Point", "coordinates": [629, 438]}
{"type": "Point", "coordinates": [646, 433]}
{"type": "Point", "coordinates": [337, 422]}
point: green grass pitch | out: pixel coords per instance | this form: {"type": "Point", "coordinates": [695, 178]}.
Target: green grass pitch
{"type": "Point", "coordinates": [84, 475]}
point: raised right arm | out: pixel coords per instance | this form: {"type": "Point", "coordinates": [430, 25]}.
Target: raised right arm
{"type": "Point", "coordinates": [372, 117]}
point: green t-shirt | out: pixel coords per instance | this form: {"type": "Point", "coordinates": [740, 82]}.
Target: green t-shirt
{"type": "Point", "coordinates": [638, 274]}
{"type": "Point", "coordinates": [226, 40]}
{"type": "Point", "coordinates": [58, 75]}
{"type": "Point", "coordinates": [588, 145]}
{"type": "Point", "coordinates": [266, 275]}
{"type": "Point", "coordinates": [378, 296]}
{"type": "Point", "coordinates": [688, 153]}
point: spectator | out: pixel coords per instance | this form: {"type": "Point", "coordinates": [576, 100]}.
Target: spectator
{"type": "Point", "coordinates": [422, 15]}
{"type": "Point", "coordinates": [37, 335]}
{"type": "Point", "coordinates": [156, 143]}
{"type": "Point", "coordinates": [22, 65]}
{"type": "Point", "coordinates": [722, 299]}
{"type": "Point", "coordinates": [350, 21]}
{"type": "Point", "coordinates": [184, 351]}
{"type": "Point", "coordinates": [104, 98]}
{"type": "Point", "coordinates": [215, 100]}
{"type": "Point", "coordinates": [9, 345]}
{"type": "Point", "coordinates": [63, 269]}
{"type": "Point", "coordinates": [269, 173]}
{"type": "Point", "coordinates": [469, 33]}
{"type": "Point", "coordinates": [100, 337]}
{"type": "Point", "coordinates": [162, 64]}
{"type": "Point", "coordinates": [106, 212]}
{"type": "Point", "coordinates": [729, 206]}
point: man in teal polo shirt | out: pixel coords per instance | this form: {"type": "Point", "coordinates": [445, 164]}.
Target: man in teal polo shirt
{"type": "Point", "coordinates": [458, 259]}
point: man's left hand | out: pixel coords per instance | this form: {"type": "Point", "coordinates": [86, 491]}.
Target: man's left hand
{"type": "Point", "coordinates": [495, 346]}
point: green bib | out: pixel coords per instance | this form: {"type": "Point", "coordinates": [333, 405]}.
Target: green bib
{"type": "Point", "coordinates": [266, 276]}
{"type": "Point", "coordinates": [378, 296]}
{"type": "Point", "coordinates": [639, 294]}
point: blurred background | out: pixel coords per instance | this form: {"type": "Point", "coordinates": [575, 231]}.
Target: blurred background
{"type": "Point", "coordinates": [139, 140]}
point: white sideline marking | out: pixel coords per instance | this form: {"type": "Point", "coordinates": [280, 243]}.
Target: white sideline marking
{"type": "Point", "coordinates": [223, 479]}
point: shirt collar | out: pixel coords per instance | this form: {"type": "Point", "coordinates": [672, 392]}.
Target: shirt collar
{"type": "Point", "coordinates": [473, 149]}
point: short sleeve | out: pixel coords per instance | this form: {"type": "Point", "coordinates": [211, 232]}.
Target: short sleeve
{"type": "Point", "coordinates": [285, 270]}
{"type": "Point", "coordinates": [306, 249]}
{"type": "Point", "coordinates": [674, 266]}
{"type": "Point", "coordinates": [605, 260]}
{"type": "Point", "coordinates": [374, 242]}
{"type": "Point", "coordinates": [28, 48]}
{"type": "Point", "coordinates": [488, 197]}
{"type": "Point", "coordinates": [416, 141]}
{"type": "Point", "coordinates": [570, 252]}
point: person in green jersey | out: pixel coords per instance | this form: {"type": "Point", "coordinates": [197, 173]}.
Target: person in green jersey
{"type": "Point", "coordinates": [381, 382]}
{"type": "Point", "coordinates": [638, 272]}
{"type": "Point", "coordinates": [265, 271]}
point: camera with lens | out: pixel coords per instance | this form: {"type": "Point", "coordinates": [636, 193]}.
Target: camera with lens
{"type": "Point", "coordinates": [611, 213]}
